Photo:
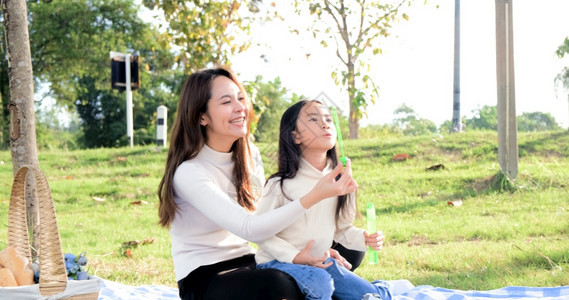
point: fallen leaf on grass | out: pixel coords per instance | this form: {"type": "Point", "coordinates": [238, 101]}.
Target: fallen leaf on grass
{"type": "Point", "coordinates": [128, 253]}
{"type": "Point", "coordinates": [139, 202]}
{"type": "Point", "coordinates": [455, 203]}
{"type": "Point", "coordinates": [401, 157]}
{"type": "Point", "coordinates": [121, 158]}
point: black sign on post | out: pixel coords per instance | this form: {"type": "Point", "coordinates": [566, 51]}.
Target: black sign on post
{"type": "Point", "coordinates": [118, 76]}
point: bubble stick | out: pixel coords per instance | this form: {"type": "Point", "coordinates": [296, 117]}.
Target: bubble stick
{"type": "Point", "coordinates": [339, 134]}
{"type": "Point", "coordinates": [371, 228]}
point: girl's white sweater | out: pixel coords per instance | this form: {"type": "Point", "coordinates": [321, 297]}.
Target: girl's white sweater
{"type": "Point", "coordinates": [317, 223]}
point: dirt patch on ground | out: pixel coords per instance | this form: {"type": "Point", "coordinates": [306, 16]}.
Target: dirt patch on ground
{"type": "Point", "coordinates": [420, 240]}
{"type": "Point", "coordinates": [483, 184]}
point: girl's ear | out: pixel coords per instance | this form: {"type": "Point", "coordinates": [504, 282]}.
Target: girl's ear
{"type": "Point", "coordinates": [296, 136]}
{"type": "Point", "coordinates": [203, 122]}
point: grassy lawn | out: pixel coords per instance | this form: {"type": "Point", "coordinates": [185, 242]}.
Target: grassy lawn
{"type": "Point", "coordinates": [503, 233]}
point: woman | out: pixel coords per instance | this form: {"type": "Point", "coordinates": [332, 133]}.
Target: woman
{"type": "Point", "coordinates": [207, 196]}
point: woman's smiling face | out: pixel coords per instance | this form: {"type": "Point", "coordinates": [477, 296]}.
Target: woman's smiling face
{"type": "Point", "coordinates": [226, 117]}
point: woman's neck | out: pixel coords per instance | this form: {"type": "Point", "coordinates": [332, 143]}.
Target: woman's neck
{"type": "Point", "coordinates": [317, 159]}
{"type": "Point", "coordinates": [219, 145]}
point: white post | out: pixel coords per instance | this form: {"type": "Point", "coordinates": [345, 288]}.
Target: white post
{"type": "Point", "coordinates": [128, 100]}
{"type": "Point", "coordinates": [161, 125]}
{"type": "Point", "coordinates": [507, 125]}
{"type": "Point", "coordinates": [456, 119]}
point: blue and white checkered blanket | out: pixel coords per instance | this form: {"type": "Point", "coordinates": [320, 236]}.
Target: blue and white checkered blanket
{"type": "Point", "coordinates": [425, 292]}
{"type": "Point", "coordinates": [116, 291]}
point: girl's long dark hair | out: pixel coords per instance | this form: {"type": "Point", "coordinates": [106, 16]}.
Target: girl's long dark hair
{"type": "Point", "coordinates": [290, 153]}
{"type": "Point", "coordinates": [188, 138]}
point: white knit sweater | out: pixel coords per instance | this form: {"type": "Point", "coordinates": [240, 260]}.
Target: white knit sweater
{"type": "Point", "coordinates": [210, 226]}
{"type": "Point", "coordinates": [318, 223]}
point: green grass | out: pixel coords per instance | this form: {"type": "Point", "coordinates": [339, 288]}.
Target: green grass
{"type": "Point", "coordinates": [504, 233]}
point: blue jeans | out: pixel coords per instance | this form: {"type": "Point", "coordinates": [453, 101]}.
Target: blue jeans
{"type": "Point", "coordinates": [335, 281]}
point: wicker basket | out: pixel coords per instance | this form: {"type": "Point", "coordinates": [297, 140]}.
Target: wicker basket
{"type": "Point", "coordinates": [53, 275]}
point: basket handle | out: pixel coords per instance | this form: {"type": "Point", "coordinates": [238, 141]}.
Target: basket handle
{"type": "Point", "coordinates": [53, 275]}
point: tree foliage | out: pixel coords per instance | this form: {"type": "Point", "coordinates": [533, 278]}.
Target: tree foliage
{"type": "Point", "coordinates": [4, 90]}
{"type": "Point", "coordinates": [356, 28]}
{"type": "Point", "coordinates": [536, 121]}
{"type": "Point", "coordinates": [485, 118]}
{"type": "Point", "coordinates": [71, 41]}
{"type": "Point", "coordinates": [102, 113]}
{"type": "Point", "coordinates": [207, 32]}
{"type": "Point", "coordinates": [562, 79]}
{"type": "Point", "coordinates": [270, 102]}
{"type": "Point", "coordinates": [408, 122]}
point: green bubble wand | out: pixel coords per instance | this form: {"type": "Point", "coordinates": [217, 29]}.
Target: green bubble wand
{"type": "Point", "coordinates": [371, 229]}
{"type": "Point", "coordinates": [343, 157]}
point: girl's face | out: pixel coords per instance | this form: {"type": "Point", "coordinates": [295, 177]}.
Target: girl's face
{"type": "Point", "coordinates": [226, 117]}
{"type": "Point", "coordinates": [314, 128]}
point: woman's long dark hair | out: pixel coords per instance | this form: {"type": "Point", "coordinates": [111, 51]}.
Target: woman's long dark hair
{"type": "Point", "coordinates": [290, 153]}
{"type": "Point", "coordinates": [188, 138]}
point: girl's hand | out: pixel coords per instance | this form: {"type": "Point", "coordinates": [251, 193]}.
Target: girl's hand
{"type": "Point", "coordinates": [328, 186]}
{"type": "Point", "coordinates": [374, 240]}
{"type": "Point", "coordinates": [304, 258]}
{"type": "Point", "coordinates": [340, 259]}
{"type": "Point", "coordinates": [346, 184]}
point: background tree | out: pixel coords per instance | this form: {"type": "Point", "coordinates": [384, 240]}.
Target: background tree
{"type": "Point", "coordinates": [408, 122]}
{"type": "Point", "coordinates": [4, 90]}
{"type": "Point", "coordinates": [71, 41]}
{"type": "Point", "coordinates": [356, 28]}
{"type": "Point", "coordinates": [207, 32]}
{"type": "Point", "coordinates": [536, 121]}
{"type": "Point", "coordinates": [53, 132]}
{"type": "Point", "coordinates": [270, 101]}
{"type": "Point", "coordinates": [562, 79]}
{"type": "Point", "coordinates": [21, 106]}
{"type": "Point", "coordinates": [485, 118]}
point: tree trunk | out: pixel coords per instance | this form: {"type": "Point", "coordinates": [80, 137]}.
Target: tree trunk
{"type": "Point", "coordinates": [22, 122]}
{"type": "Point", "coordinates": [456, 122]}
{"type": "Point", "coordinates": [354, 122]}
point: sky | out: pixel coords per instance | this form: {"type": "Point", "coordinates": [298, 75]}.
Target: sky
{"type": "Point", "coordinates": [416, 66]}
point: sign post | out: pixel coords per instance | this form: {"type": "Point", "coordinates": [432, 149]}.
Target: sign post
{"type": "Point", "coordinates": [128, 94]}
{"type": "Point", "coordinates": [125, 78]}
{"type": "Point", "coordinates": [161, 125]}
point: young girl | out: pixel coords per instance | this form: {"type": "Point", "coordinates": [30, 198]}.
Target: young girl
{"type": "Point", "coordinates": [207, 195]}
{"type": "Point", "coordinates": [307, 153]}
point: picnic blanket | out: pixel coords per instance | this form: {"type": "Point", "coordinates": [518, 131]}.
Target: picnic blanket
{"type": "Point", "coordinates": [111, 290]}
{"type": "Point", "coordinates": [425, 292]}
{"type": "Point", "coordinates": [117, 291]}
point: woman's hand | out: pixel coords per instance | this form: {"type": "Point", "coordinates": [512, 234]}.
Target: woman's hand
{"type": "Point", "coordinates": [374, 240]}
{"type": "Point", "coordinates": [328, 186]}
{"type": "Point", "coordinates": [304, 258]}
{"type": "Point", "coordinates": [340, 259]}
